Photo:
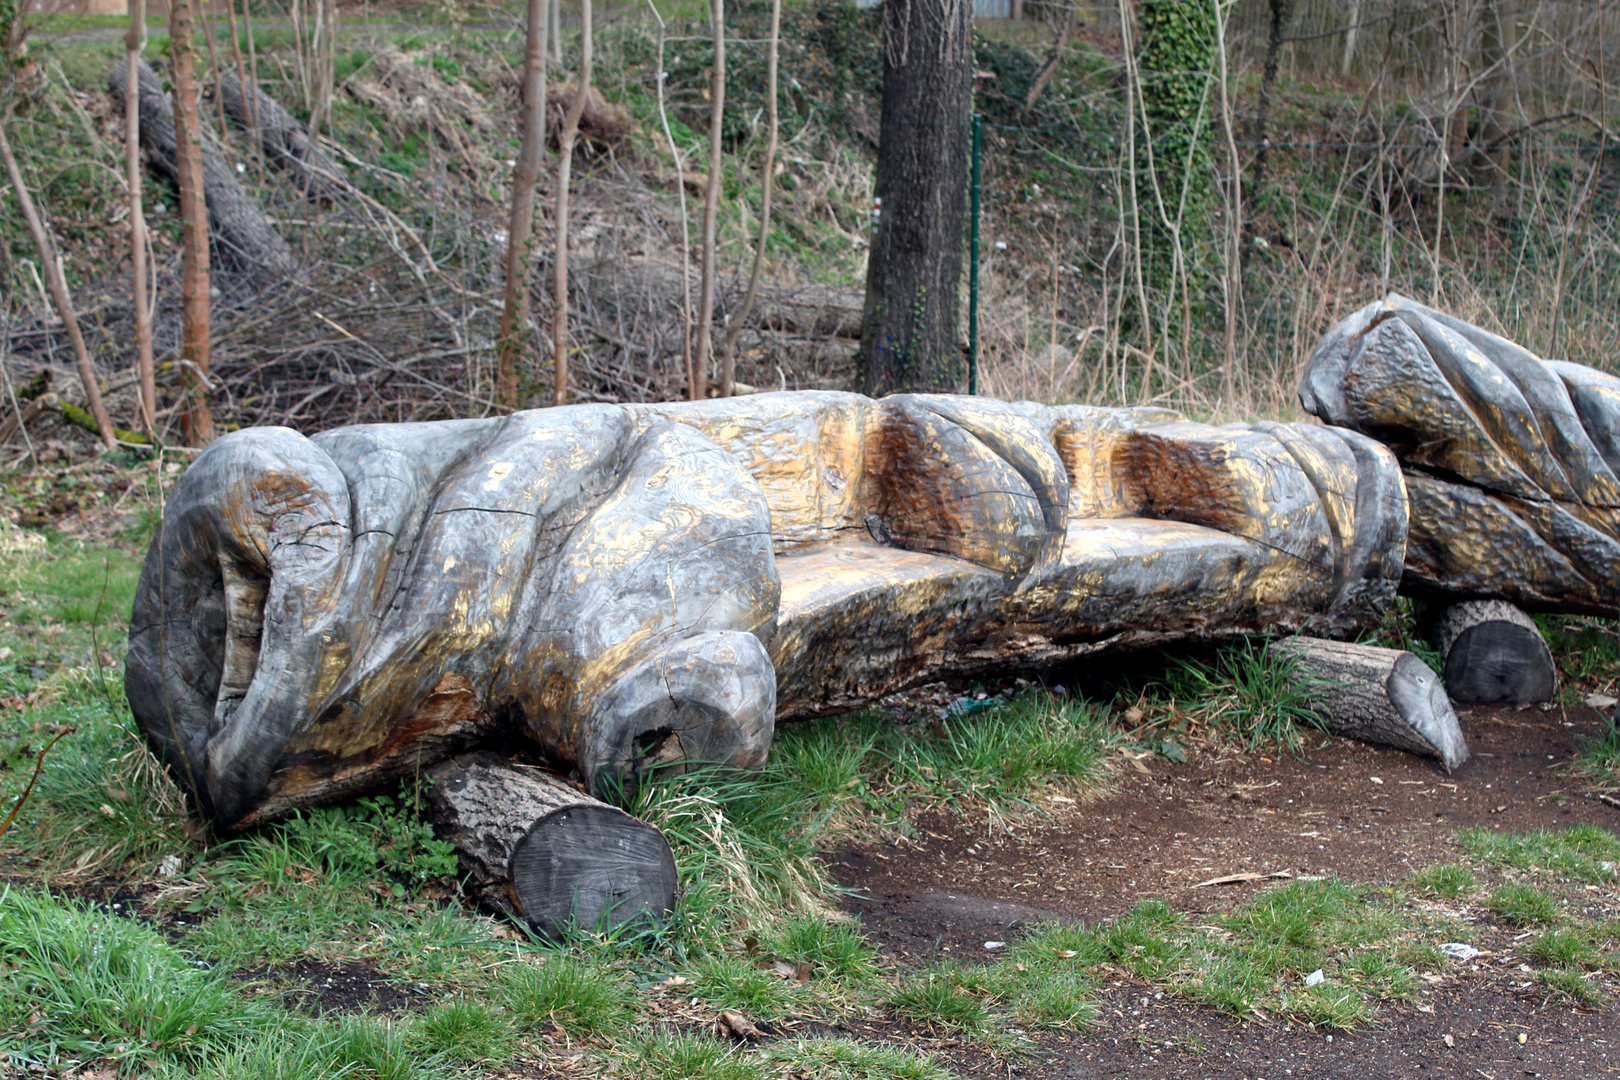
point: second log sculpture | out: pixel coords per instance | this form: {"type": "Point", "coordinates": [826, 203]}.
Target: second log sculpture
{"type": "Point", "coordinates": [1512, 469]}
{"type": "Point", "coordinates": [1510, 461]}
{"type": "Point", "coordinates": [625, 587]}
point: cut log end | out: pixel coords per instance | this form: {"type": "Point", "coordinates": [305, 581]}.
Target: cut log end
{"type": "Point", "coordinates": [546, 853]}
{"type": "Point", "coordinates": [1494, 652]}
{"type": "Point", "coordinates": [593, 868]}
{"type": "Point", "coordinates": [1383, 696]}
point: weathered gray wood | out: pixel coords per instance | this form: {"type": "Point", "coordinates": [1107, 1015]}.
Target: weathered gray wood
{"type": "Point", "coordinates": [1494, 652]}
{"type": "Point", "coordinates": [635, 585]}
{"type": "Point", "coordinates": [1383, 696]}
{"type": "Point", "coordinates": [243, 238]}
{"type": "Point", "coordinates": [286, 142]}
{"type": "Point", "coordinates": [536, 848]}
{"type": "Point", "coordinates": [1510, 462]}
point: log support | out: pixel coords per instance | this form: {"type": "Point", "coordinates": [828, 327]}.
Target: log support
{"type": "Point", "coordinates": [1494, 652]}
{"type": "Point", "coordinates": [546, 853]}
{"type": "Point", "coordinates": [1383, 696]}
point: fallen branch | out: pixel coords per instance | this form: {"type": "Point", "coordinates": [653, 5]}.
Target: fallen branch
{"type": "Point", "coordinates": [38, 767]}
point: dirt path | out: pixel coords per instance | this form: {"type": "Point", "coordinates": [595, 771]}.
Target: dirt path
{"type": "Point", "coordinates": [1360, 813]}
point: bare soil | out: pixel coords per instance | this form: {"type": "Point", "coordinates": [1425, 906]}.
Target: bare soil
{"type": "Point", "coordinates": [1356, 812]}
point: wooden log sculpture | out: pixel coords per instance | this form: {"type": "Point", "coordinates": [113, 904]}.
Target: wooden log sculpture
{"type": "Point", "coordinates": [547, 853]}
{"type": "Point", "coordinates": [1384, 696]}
{"type": "Point", "coordinates": [639, 585]}
{"type": "Point", "coordinates": [1510, 461]}
{"type": "Point", "coordinates": [243, 238]}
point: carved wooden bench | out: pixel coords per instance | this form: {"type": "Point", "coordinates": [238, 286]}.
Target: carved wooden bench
{"type": "Point", "coordinates": [629, 585]}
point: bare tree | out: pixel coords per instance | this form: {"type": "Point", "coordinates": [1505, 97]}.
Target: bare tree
{"type": "Point", "coordinates": [197, 419]}
{"type": "Point", "coordinates": [728, 354]}
{"type": "Point", "coordinates": [711, 203]}
{"type": "Point", "coordinates": [565, 161]}
{"type": "Point", "coordinates": [145, 368]}
{"type": "Point", "coordinates": [52, 266]}
{"type": "Point", "coordinates": [520, 224]}
{"type": "Point", "coordinates": [908, 335]}
{"type": "Point", "coordinates": [686, 219]}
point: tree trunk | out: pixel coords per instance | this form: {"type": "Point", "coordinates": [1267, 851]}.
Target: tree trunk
{"type": "Point", "coordinates": [711, 200]}
{"type": "Point", "coordinates": [1494, 652]}
{"type": "Point", "coordinates": [197, 420]}
{"type": "Point", "coordinates": [547, 853]}
{"type": "Point", "coordinates": [243, 238]}
{"type": "Point", "coordinates": [1495, 99]}
{"type": "Point", "coordinates": [145, 367]}
{"type": "Point", "coordinates": [728, 358]}
{"type": "Point", "coordinates": [520, 223]}
{"type": "Point", "coordinates": [50, 262]}
{"type": "Point", "coordinates": [1281, 12]}
{"type": "Point", "coordinates": [1351, 32]}
{"type": "Point", "coordinates": [908, 339]}
{"type": "Point", "coordinates": [1382, 696]}
{"type": "Point", "coordinates": [287, 144]}
{"type": "Point", "coordinates": [565, 164]}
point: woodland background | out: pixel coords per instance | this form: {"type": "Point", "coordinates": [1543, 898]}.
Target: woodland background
{"type": "Point", "coordinates": [1324, 152]}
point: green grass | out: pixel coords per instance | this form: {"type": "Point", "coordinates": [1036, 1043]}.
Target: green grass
{"type": "Point", "coordinates": [1567, 985]}
{"type": "Point", "coordinates": [94, 986]}
{"type": "Point", "coordinates": [665, 1054]}
{"type": "Point", "coordinates": [583, 997]}
{"type": "Point", "coordinates": [1523, 905]}
{"type": "Point", "coordinates": [938, 999]}
{"type": "Point", "coordinates": [466, 1031]}
{"type": "Point", "coordinates": [1447, 879]}
{"type": "Point", "coordinates": [1252, 692]}
{"type": "Point", "coordinates": [1579, 851]}
{"type": "Point", "coordinates": [845, 1059]}
{"type": "Point", "coordinates": [1564, 948]}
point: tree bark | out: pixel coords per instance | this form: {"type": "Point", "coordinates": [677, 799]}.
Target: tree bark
{"type": "Point", "coordinates": [1494, 652]}
{"type": "Point", "coordinates": [287, 144]}
{"type": "Point", "coordinates": [51, 264]}
{"type": "Point", "coordinates": [1351, 32]}
{"type": "Point", "coordinates": [711, 201]}
{"type": "Point", "coordinates": [520, 222]}
{"type": "Point", "coordinates": [145, 366]}
{"type": "Point", "coordinates": [728, 357]}
{"type": "Point", "coordinates": [1281, 12]}
{"type": "Point", "coordinates": [908, 339]}
{"type": "Point", "coordinates": [565, 164]}
{"type": "Point", "coordinates": [1383, 696]}
{"type": "Point", "coordinates": [197, 419]}
{"type": "Point", "coordinates": [547, 853]}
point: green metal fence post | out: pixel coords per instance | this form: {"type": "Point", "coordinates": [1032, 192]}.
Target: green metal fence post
{"type": "Point", "coordinates": [973, 272]}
